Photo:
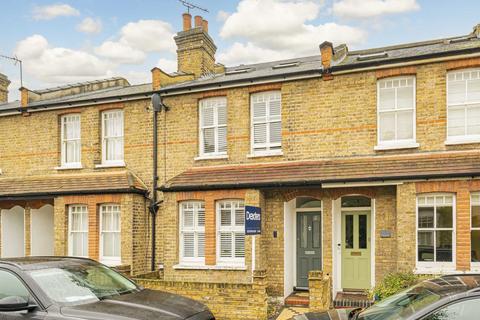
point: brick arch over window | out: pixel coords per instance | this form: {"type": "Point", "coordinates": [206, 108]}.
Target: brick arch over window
{"type": "Point", "coordinates": [319, 193]}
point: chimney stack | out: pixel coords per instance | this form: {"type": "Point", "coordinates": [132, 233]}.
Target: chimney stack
{"type": "Point", "coordinates": [187, 21]}
{"type": "Point", "coordinates": [4, 83]}
{"type": "Point", "coordinates": [195, 48]}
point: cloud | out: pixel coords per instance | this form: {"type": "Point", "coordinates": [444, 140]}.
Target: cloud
{"type": "Point", "coordinates": [90, 25]}
{"type": "Point", "coordinates": [59, 65]}
{"type": "Point", "coordinates": [167, 65]}
{"type": "Point", "coordinates": [222, 15]}
{"type": "Point", "coordinates": [53, 11]}
{"type": "Point", "coordinates": [264, 32]}
{"type": "Point", "coordinates": [363, 9]}
{"type": "Point", "coordinates": [120, 52]}
{"type": "Point", "coordinates": [149, 35]}
{"type": "Point", "coordinates": [136, 39]}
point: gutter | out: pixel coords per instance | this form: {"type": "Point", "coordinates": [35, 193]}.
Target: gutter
{"type": "Point", "coordinates": [317, 183]}
{"type": "Point", "coordinates": [48, 195]}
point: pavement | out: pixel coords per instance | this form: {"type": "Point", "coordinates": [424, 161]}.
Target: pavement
{"type": "Point", "coordinates": [289, 312]}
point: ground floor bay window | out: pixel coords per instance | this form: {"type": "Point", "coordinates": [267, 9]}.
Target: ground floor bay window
{"type": "Point", "coordinates": [78, 231]}
{"type": "Point", "coordinates": [110, 234]}
{"type": "Point", "coordinates": [231, 232]}
{"type": "Point", "coordinates": [435, 233]}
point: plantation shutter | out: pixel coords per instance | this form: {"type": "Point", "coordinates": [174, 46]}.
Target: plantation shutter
{"type": "Point", "coordinates": [213, 126]}
{"type": "Point", "coordinates": [192, 231]}
{"type": "Point", "coordinates": [231, 231]}
{"type": "Point", "coordinates": [266, 121]}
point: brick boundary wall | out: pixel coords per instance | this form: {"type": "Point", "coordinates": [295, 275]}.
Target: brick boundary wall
{"type": "Point", "coordinates": [320, 292]}
{"type": "Point", "coordinates": [227, 301]}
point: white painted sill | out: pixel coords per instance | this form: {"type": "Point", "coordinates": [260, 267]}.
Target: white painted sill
{"type": "Point", "coordinates": [211, 157]}
{"type": "Point", "coordinates": [265, 154]}
{"type": "Point", "coordinates": [185, 266]}
{"type": "Point", "coordinates": [396, 146]}
{"type": "Point", "coordinates": [462, 140]}
{"type": "Point", "coordinates": [111, 165]}
{"type": "Point", "coordinates": [435, 271]}
{"type": "Point", "coordinates": [111, 262]}
{"type": "Point", "coordinates": [72, 167]}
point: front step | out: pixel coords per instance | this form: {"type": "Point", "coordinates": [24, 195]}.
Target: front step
{"type": "Point", "coordinates": [351, 300]}
{"type": "Point", "coordinates": [297, 299]}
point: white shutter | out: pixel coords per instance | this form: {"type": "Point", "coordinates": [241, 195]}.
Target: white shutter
{"type": "Point", "coordinates": [188, 244]}
{"type": "Point", "coordinates": [225, 244]}
{"type": "Point", "coordinates": [266, 121]}
{"type": "Point", "coordinates": [239, 245]}
{"type": "Point", "coordinates": [213, 126]}
{"type": "Point", "coordinates": [192, 231]}
{"type": "Point", "coordinates": [275, 132]}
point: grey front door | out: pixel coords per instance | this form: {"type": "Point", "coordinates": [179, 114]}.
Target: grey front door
{"type": "Point", "coordinates": [309, 245]}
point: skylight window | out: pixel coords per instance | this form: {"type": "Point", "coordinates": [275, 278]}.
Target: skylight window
{"type": "Point", "coordinates": [237, 71]}
{"type": "Point", "coordinates": [286, 65]}
{"type": "Point", "coordinates": [377, 55]}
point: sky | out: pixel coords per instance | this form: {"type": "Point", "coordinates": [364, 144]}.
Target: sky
{"type": "Point", "coordinates": [68, 41]}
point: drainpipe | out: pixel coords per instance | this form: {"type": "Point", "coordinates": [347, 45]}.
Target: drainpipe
{"type": "Point", "coordinates": [154, 205]}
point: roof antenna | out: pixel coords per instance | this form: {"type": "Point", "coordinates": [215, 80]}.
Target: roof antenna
{"type": "Point", "coordinates": [189, 6]}
{"type": "Point", "coordinates": [15, 61]}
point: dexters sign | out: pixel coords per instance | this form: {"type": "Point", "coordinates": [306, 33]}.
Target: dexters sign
{"type": "Point", "coordinates": [253, 220]}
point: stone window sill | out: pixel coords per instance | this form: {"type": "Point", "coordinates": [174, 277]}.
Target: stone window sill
{"type": "Point", "coordinates": [265, 154]}
{"type": "Point", "coordinates": [110, 165]}
{"type": "Point", "coordinates": [183, 266]}
{"type": "Point", "coordinates": [211, 157]}
{"type": "Point", "coordinates": [461, 140]}
{"type": "Point", "coordinates": [396, 146]}
{"type": "Point", "coordinates": [435, 271]}
{"type": "Point", "coordinates": [73, 167]}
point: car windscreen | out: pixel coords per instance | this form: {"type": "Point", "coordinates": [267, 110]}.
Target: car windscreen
{"type": "Point", "coordinates": [401, 305]}
{"type": "Point", "coordinates": [74, 284]}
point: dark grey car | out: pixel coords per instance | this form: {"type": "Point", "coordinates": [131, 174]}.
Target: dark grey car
{"type": "Point", "coordinates": [453, 297]}
{"type": "Point", "coordinates": [74, 288]}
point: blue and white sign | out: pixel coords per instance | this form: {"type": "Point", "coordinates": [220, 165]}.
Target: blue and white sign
{"type": "Point", "coordinates": [253, 220]}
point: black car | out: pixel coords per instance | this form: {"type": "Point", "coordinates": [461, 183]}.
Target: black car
{"type": "Point", "coordinates": [74, 288]}
{"type": "Point", "coordinates": [452, 297]}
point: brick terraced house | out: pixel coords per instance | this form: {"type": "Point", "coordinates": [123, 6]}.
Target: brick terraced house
{"type": "Point", "coordinates": [362, 162]}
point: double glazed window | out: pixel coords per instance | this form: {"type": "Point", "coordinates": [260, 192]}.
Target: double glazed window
{"type": "Point", "coordinates": [435, 231]}
{"type": "Point", "coordinates": [110, 239]}
{"type": "Point", "coordinates": [231, 232]}
{"type": "Point", "coordinates": [463, 109]}
{"type": "Point", "coordinates": [78, 231]}
{"type": "Point", "coordinates": [192, 231]}
{"type": "Point", "coordinates": [266, 131]}
{"type": "Point", "coordinates": [396, 112]}
{"type": "Point", "coordinates": [112, 137]}
{"type": "Point", "coordinates": [71, 141]}
{"type": "Point", "coordinates": [475, 229]}
{"type": "Point", "coordinates": [213, 126]}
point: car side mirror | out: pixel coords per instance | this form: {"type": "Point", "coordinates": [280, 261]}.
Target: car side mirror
{"type": "Point", "coordinates": [15, 303]}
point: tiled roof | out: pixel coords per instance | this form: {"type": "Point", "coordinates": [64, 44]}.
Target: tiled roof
{"type": "Point", "coordinates": [359, 169]}
{"type": "Point", "coordinates": [62, 184]}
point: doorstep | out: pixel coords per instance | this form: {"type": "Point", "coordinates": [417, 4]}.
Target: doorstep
{"type": "Point", "coordinates": [351, 300]}
{"type": "Point", "coordinates": [298, 299]}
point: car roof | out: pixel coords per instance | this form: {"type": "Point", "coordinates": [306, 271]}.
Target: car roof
{"type": "Point", "coordinates": [449, 285]}
{"type": "Point", "coordinates": [35, 263]}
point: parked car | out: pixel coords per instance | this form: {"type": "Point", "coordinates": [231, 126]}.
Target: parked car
{"type": "Point", "coordinates": [73, 288]}
{"type": "Point", "coordinates": [444, 298]}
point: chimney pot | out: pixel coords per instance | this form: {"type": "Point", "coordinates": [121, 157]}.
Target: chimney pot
{"type": "Point", "coordinates": [198, 21]}
{"type": "Point", "coordinates": [326, 52]}
{"type": "Point", "coordinates": [205, 26]}
{"type": "Point", "coordinates": [187, 21]}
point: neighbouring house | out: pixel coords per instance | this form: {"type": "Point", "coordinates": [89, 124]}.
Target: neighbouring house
{"type": "Point", "coordinates": [362, 162]}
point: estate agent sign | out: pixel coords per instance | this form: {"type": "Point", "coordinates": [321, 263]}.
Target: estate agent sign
{"type": "Point", "coordinates": [253, 220]}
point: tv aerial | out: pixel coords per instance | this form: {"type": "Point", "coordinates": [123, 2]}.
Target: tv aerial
{"type": "Point", "coordinates": [15, 61]}
{"type": "Point", "coordinates": [189, 6]}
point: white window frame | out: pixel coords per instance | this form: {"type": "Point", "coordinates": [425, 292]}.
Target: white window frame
{"type": "Point", "coordinates": [268, 146]}
{"type": "Point", "coordinates": [397, 143]}
{"type": "Point", "coordinates": [195, 229]}
{"type": "Point", "coordinates": [452, 140]}
{"type": "Point", "coordinates": [110, 261]}
{"type": "Point", "coordinates": [116, 162]}
{"type": "Point", "coordinates": [70, 232]}
{"type": "Point", "coordinates": [65, 141]}
{"type": "Point", "coordinates": [219, 101]}
{"type": "Point", "coordinates": [475, 266]}
{"type": "Point", "coordinates": [230, 261]}
{"type": "Point", "coordinates": [436, 267]}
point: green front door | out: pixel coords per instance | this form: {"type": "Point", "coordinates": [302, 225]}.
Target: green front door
{"type": "Point", "coordinates": [309, 245]}
{"type": "Point", "coordinates": [356, 246]}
